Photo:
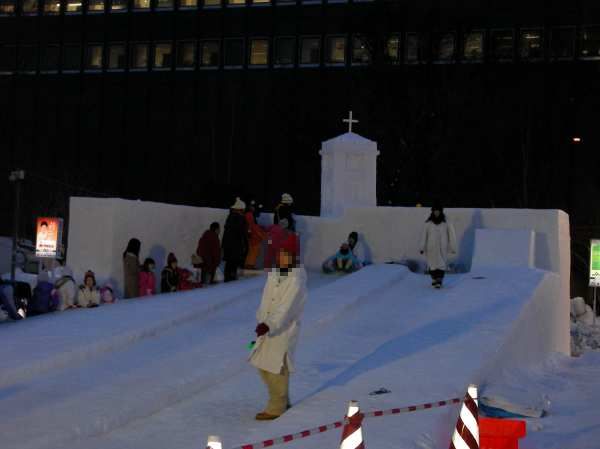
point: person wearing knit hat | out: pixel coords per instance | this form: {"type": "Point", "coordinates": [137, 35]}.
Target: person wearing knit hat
{"type": "Point", "coordinates": [285, 210]}
{"type": "Point", "coordinates": [88, 295]}
{"type": "Point", "coordinates": [438, 240]}
{"type": "Point", "coordinates": [238, 204]}
{"type": "Point", "coordinates": [169, 277]}
{"type": "Point", "coordinates": [235, 241]}
{"type": "Point", "coordinates": [278, 326]}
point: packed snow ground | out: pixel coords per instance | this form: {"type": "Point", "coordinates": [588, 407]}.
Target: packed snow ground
{"type": "Point", "coordinates": [165, 372]}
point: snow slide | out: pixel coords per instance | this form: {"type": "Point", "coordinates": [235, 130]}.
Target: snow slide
{"type": "Point", "coordinates": [162, 351]}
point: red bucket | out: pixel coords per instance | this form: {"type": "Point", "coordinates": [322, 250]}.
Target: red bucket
{"type": "Point", "coordinates": [497, 433]}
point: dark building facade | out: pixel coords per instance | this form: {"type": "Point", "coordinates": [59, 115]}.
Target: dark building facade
{"type": "Point", "coordinates": [195, 101]}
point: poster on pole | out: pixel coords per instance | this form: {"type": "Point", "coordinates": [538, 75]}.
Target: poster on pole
{"type": "Point", "coordinates": [595, 263]}
{"type": "Point", "coordinates": [48, 240]}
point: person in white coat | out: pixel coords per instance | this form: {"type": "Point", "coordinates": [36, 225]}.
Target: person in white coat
{"type": "Point", "coordinates": [278, 326]}
{"type": "Point", "coordinates": [438, 241]}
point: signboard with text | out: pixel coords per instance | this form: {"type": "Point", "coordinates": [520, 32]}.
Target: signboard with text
{"type": "Point", "coordinates": [48, 242]}
{"type": "Point", "coordinates": [595, 263]}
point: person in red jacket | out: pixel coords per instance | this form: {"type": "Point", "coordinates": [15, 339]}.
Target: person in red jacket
{"type": "Point", "coordinates": [209, 250]}
{"type": "Point", "coordinates": [256, 235]}
{"type": "Point", "coordinates": [147, 280]}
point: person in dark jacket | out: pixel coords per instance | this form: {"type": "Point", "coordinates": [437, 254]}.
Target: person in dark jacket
{"type": "Point", "coordinates": [235, 240]}
{"type": "Point", "coordinates": [45, 298]}
{"type": "Point", "coordinates": [209, 250]}
{"type": "Point", "coordinates": [131, 268]}
{"type": "Point", "coordinates": [7, 301]}
{"type": "Point", "coordinates": [284, 210]}
{"type": "Point", "coordinates": [169, 278]}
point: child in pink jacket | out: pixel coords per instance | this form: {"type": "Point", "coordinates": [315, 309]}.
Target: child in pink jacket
{"type": "Point", "coordinates": [147, 280]}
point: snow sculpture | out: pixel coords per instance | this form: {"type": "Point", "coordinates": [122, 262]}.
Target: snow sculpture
{"type": "Point", "coordinates": [348, 173]}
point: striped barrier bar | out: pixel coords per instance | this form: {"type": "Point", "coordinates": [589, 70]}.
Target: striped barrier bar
{"type": "Point", "coordinates": [336, 425]}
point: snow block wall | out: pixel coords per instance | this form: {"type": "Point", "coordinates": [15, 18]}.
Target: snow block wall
{"type": "Point", "coordinates": [503, 247]}
{"type": "Point", "coordinates": [100, 228]}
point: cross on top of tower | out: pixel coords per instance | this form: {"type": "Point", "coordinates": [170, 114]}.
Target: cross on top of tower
{"type": "Point", "coordinates": [350, 121]}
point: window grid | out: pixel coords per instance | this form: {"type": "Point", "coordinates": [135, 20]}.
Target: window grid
{"type": "Point", "coordinates": [497, 45]}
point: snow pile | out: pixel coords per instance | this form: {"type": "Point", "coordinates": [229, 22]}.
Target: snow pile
{"type": "Point", "coordinates": [585, 334]}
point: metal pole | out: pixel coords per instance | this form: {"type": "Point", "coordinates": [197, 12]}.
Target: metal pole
{"type": "Point", "coordinates": [595, 288]}
{"type": "Point", "coordinates": [16, 177]}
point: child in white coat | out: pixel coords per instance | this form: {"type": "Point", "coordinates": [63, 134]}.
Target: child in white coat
{"type": "Point", "coordinates": [278, 326]}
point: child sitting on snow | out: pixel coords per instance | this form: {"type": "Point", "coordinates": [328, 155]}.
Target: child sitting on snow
{"type": "Point", "coordinates": [345, 259]}
{"type": "Point", "coordinates": [45, 297]}
{"type": "Point", "coordinates": [66, 288]}
{"type": "Point", "coordinates": [107, 295]}
{"type": "Point", "coordinates": [88, 295]}
{"type": "Point", "coordinates": [169, 278]}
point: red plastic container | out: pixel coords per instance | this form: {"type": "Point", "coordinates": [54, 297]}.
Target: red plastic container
{"type": "Point", "coordinates": [497, 433]}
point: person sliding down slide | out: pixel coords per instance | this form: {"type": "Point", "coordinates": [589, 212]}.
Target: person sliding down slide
{"type": "Point", "coordinates": [278, 326]}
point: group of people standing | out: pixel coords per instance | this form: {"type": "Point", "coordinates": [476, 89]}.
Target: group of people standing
{"type": "Point", "coordinates": [243, 237]}
{"type": "Point", "coordinates": [240, 247]}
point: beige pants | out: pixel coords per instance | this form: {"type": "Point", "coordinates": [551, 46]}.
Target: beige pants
{"type": "Point", "coordinates": [278, 386]}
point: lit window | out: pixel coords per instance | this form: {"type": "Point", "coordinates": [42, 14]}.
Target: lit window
{"type": "Point", "coordinates": [412, 50]}
{"type": "Point", "coordinates": [234, 52]}
{"type": "Point", "coordinates": [164, 4]}
{"type": "Point", "coordinates": [502, 45]}
{"type": "Point", "coordinates": [118, 5]}
{"type": "Point", "coordinates": [163, 56]}
{"type": "Point", "coordinates": [7, 7]}
{"type": "Point", "coordinates": [443, 47]}
{"type": "Point", "coordinates": [49, 59]}
{"type": "Point", "coordinates": [139, 56]}
{"type": "Point", "coordinates": [141, 5]}
{"type": "Point", "coordinates": [210, 54]}
{"type": "Point", "coordinates": [186, 55]}
{"type": "Point", "coordinates": [336, 50]}
{"type": "Point", "coordinates": [95, 6]}
{"type": "Point", "coordinates": [93, 57]}
{"type": "Point", "coordinates": [51, 7]}
{"type": "Point", "coordinates": [30, 7]}
{"type": "Point", "coordinates": [261, 2]}
{"type": "Point", "coordinates": [562, 45]}
{"type": "Point", "coordinates": [8, 59]}
{"type": "Point", "coordinates": [212, 3]}
{"type": "Point", "coordinates": [117, 58]}
{"type": "Point", "coordinates": [188, 4]}
{"type": "Point", "coordinates": [27, 59]}
{"type": "Point", "coordinates": [74, 6]}
{"type": "Point", "coordinates": [71, 58]}
{"type": "Point", "coordinates": [285, 51]}
{"type": "Point", "coordinates": [310, 51]}
{"type": "Point", "coordinates": [259, 52]}
{"type": "Point", "coordinates": [361, 54]}
{"type": "Point", "coordinates": [392, 49]}
{"type": "Point", "coordinates": [236, 2]}
{"type": "Point", "coordinates": [589, 45]}
{"type": "Point", "coordinates": [473, 46]}
{"type": "Point", "coordinates": [531, 45]}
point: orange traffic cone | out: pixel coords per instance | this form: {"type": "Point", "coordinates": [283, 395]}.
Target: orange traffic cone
{"type": "Point", "coordinates": [214, 442]}
{"type": "Point", "coordinates": [352, 435]}
{"type": "Point", "coordinates": [466, 433]}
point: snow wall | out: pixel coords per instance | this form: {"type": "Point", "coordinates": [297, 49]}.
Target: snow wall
{"type": "Point", "coordinates": [100, 228]}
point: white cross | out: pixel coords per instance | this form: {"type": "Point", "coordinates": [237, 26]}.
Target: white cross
{"type": "Point", "coordinates": [349, 121]}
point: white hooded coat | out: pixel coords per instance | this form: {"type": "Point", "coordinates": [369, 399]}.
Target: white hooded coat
{"type": "Point", "coordinates": [437, 242]}
{"type": "Point", "coordinates": [281, 307]}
